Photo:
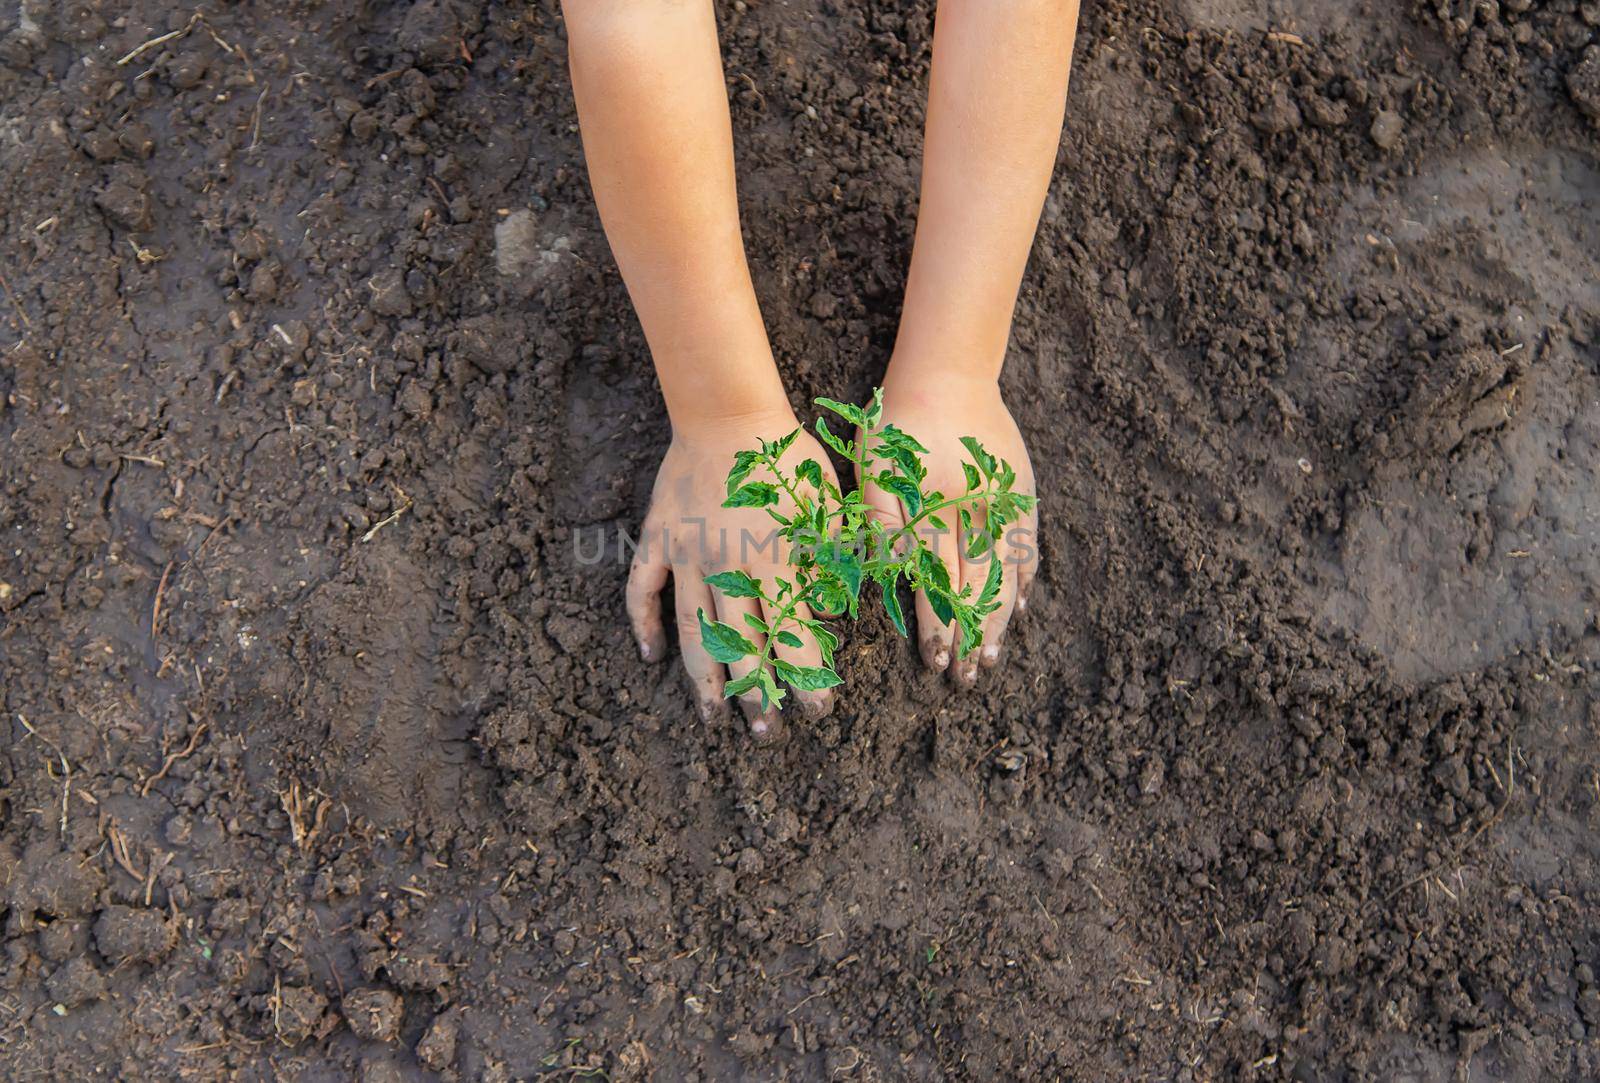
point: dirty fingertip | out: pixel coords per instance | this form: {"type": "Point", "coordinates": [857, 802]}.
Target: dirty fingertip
{"type": "Point", "coordinates": [967, 672]}
{"type": "Point", "coordinates": [936, 654]}
{"type": "Point", "coordinates": [989, 657]}
{"type": "Point", "coordinates": [766, 727]}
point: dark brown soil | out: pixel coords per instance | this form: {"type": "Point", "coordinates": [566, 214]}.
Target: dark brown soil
{"type": "Point", "coordinates": [329, 758]}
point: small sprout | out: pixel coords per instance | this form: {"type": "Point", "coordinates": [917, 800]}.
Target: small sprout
{"type": "Point", "coordinates": [835, 546]}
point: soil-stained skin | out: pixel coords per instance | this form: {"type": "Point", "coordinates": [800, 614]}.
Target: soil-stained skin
{"type": "Point", "coordinates": [328, 753]}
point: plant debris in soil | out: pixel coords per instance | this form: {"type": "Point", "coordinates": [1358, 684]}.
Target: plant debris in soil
{"type": "Point", "coordinates": [328, 754]}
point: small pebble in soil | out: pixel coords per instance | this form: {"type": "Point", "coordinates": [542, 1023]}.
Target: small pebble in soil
{"type": "Point", "coordinates": [1387, 128]}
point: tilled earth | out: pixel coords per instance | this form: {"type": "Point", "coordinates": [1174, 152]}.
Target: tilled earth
{"type": "Point", "coordinates": [329, 756]}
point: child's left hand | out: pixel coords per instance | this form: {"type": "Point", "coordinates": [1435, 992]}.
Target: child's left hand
{"type": "Point", "coordinates": [939, 413]}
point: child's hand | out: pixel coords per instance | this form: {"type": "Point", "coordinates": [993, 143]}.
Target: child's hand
{"type": "Point", "coordinates": [939, 413]}
{"type": "Point", "coordinates": [688, 533]}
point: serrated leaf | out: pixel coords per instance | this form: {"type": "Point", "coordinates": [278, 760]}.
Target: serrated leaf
{"type": "Point", "coordinates": [984, 460]}
{"type": "Point", "coordinates": [771, 694]}
{"type": "Point", "coordinates": [810, 471]}
{"type": "Point", "coordinates": [735, 584]}
{"type": "Point", "coordinates": [874, 411]}
{"type": "Point", "coordinates": [757, 494]}
{"type": "Point", "coordinates": [991, 584]}
{"type": "Point", "coordinates": [850, 412]}
{"type": "Point", "coordinates": [743, 463]}
{"type": "Point", "coordinates": [846, 566]}
{"type": "Point", "coordinates": [891, 604]}
{"type": "Point", "coordinates": [740, 685]}
{"type": "Point", "coordinates": [974, 481]}
{"type": "Point", "coordinates": [890, 436]}
{"type": "Point", "coordinates": [903, 488]}
{"type": "Point", "coordinates": [723, 642]}
{"type": "Point", "coordinates": [805, 678]}
{"type": "Point", "coordinates": [969, 633]}
{"type": "Point", "coordinates": [826, 640]}
{"type": "Point", "coordinates": [833, 441]}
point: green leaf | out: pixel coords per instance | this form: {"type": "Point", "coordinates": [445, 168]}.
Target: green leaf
{"type": "Point", "coordinates": [974, 481]}
{"type": "Point", "coordinates": [904, 488]}
{"type": "Point", "coordinates": [789, 639]}
{"type": "Point", "coordinates": [891, 603]}
{"type": "Point", "coordinates": [984, 460]}
{"type": "Point", "coordinates": [740, 685]}
{"type": "Point", "coordinates": [755, 622]}
{"type": "Point", "coordinates": [771, 694]}
{"type": "Point", "coordinates": [875, 409]}
{"type": "Point", "coordinates": [969, 633]}
{"type": "Point", "coordinates": [833, 441]}
{"type": "Point", "coordinates": [935, 584]}
{"type": "Point", "coordinates": [937, 523]}
{"type": "Point", "coordinates": [810, 471]}
{"type": "Point", "coordinates": [758, 494]}
{"type": "Point", "coordinates": [991, 585]}
{"type": "Point", "coordinates": [851, 413]}
{"type": "Point", "coordinates": [743, 463]}
{"type": "Point", "coordinates": [826, 640]}
{"type": "Point", "coordinates": [843, 563]}
{"type": "Point", "coordinates": [805, 678]}
{"type": "Point", "coordinates": [735, 584]}
{"type": "Point", "coordinates": [891, 437]}
{"type": "Point", "coordinates": [723, 642]}
{"type": "Point", "coordinates": [776, 449]}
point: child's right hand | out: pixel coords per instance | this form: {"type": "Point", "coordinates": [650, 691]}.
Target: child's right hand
{"type": "Point", "coordinates": [689, 534]}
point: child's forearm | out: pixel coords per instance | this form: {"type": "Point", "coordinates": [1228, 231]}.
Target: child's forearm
{"type": "Point", "coordinates": [996, 101]}
{"type": "Point", "coordinates": [653, 109]}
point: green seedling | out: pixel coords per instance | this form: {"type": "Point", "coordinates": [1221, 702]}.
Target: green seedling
{"type": "Point", "coordinates": [834, 545]}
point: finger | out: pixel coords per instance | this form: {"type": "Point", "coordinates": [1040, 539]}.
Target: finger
{"type": "Point", "coordinates": [974, 573]}
{"type": "Point", "coordinates": [647, 577]}
{"type": "Point", "coordinates": [1023, 538]}
{"type": "Point", "coordinates": [995, 624]}
{"type": "Point", "coordinates": [937, 639]}
{"type": "Point", "coordinates": [706, 677]}
{"type": "Point", "coordinates": [732, 611]}
{"type": "Point", "coordinates": [816, 704]}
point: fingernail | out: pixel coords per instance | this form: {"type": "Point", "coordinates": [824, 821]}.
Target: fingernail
{"type": "Point", "coordinates": [967, 672]}
{"type": "Point", "coordinates": [1022, 602]}
{"type": "Point", "coordinates": [760, 726]}
{"type": "Point", "coordinates": [991, 653]}
{"type": "Point", "coordinates": [941, 659]}
{"type": "Point", "coordinates": [816, 708]}
{"type": "Point", "coordinates": [644, 652]}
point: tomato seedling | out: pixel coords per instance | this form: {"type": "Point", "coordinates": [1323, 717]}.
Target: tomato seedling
{"type": "Point", "coordinates": [834, 545]}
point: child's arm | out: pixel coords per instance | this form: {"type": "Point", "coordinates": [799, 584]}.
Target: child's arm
{"type": "Point", "coordinates": [647, 77]}
{"type": "Point", "coordinates": [995, 108]}
{"type": "Point", "coordinates": [653, 107]}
